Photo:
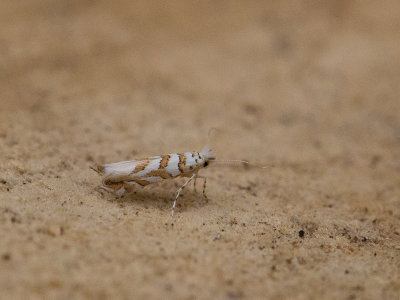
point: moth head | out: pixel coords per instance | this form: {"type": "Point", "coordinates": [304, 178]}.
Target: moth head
{"type": "Point", "coordinates": [208, 155]}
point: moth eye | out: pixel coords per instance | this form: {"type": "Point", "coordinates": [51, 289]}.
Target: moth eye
{"type": "Point", "coordinates": [205, 164]}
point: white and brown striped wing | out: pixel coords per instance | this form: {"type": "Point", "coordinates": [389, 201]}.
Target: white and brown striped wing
{"type": "Point", "coordinates": [136, 173]}
{"type": "Point", "coordinates": [124, 176]}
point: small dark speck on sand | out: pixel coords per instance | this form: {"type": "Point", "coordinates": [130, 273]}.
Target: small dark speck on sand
{"type": "Point", "coordinates": [6, 256]}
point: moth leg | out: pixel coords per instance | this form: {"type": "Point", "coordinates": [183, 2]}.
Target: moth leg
{"type": "Point", "coordinates": [204, 186]}
{"type": "Point", "coordinates": [100, 189]}
{"type": "Point", "coordinates": [204, 189]}
{"type": "Point", "coordinates": [129, 187]}
{"type": "Point", "coordinates": [194, 184]}
{"type": "Point", "coordinates": [180, 190]}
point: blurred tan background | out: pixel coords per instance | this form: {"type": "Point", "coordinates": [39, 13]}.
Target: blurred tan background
{"type": "Point", "coordinates": [309, 86]}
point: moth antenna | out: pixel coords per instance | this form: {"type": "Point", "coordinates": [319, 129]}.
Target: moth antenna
{"type": "Point", "coordinates": [238, 161]}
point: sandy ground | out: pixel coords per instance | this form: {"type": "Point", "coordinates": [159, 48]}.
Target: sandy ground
{"type": "Point", "coordinates": [310, 87]}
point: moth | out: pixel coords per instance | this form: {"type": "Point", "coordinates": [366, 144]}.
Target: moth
{"type": "Point", "coordinates": [124, 177]}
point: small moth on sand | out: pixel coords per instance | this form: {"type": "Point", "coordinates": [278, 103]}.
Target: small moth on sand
{"type": "Point", "coordinates": [123, 177]}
